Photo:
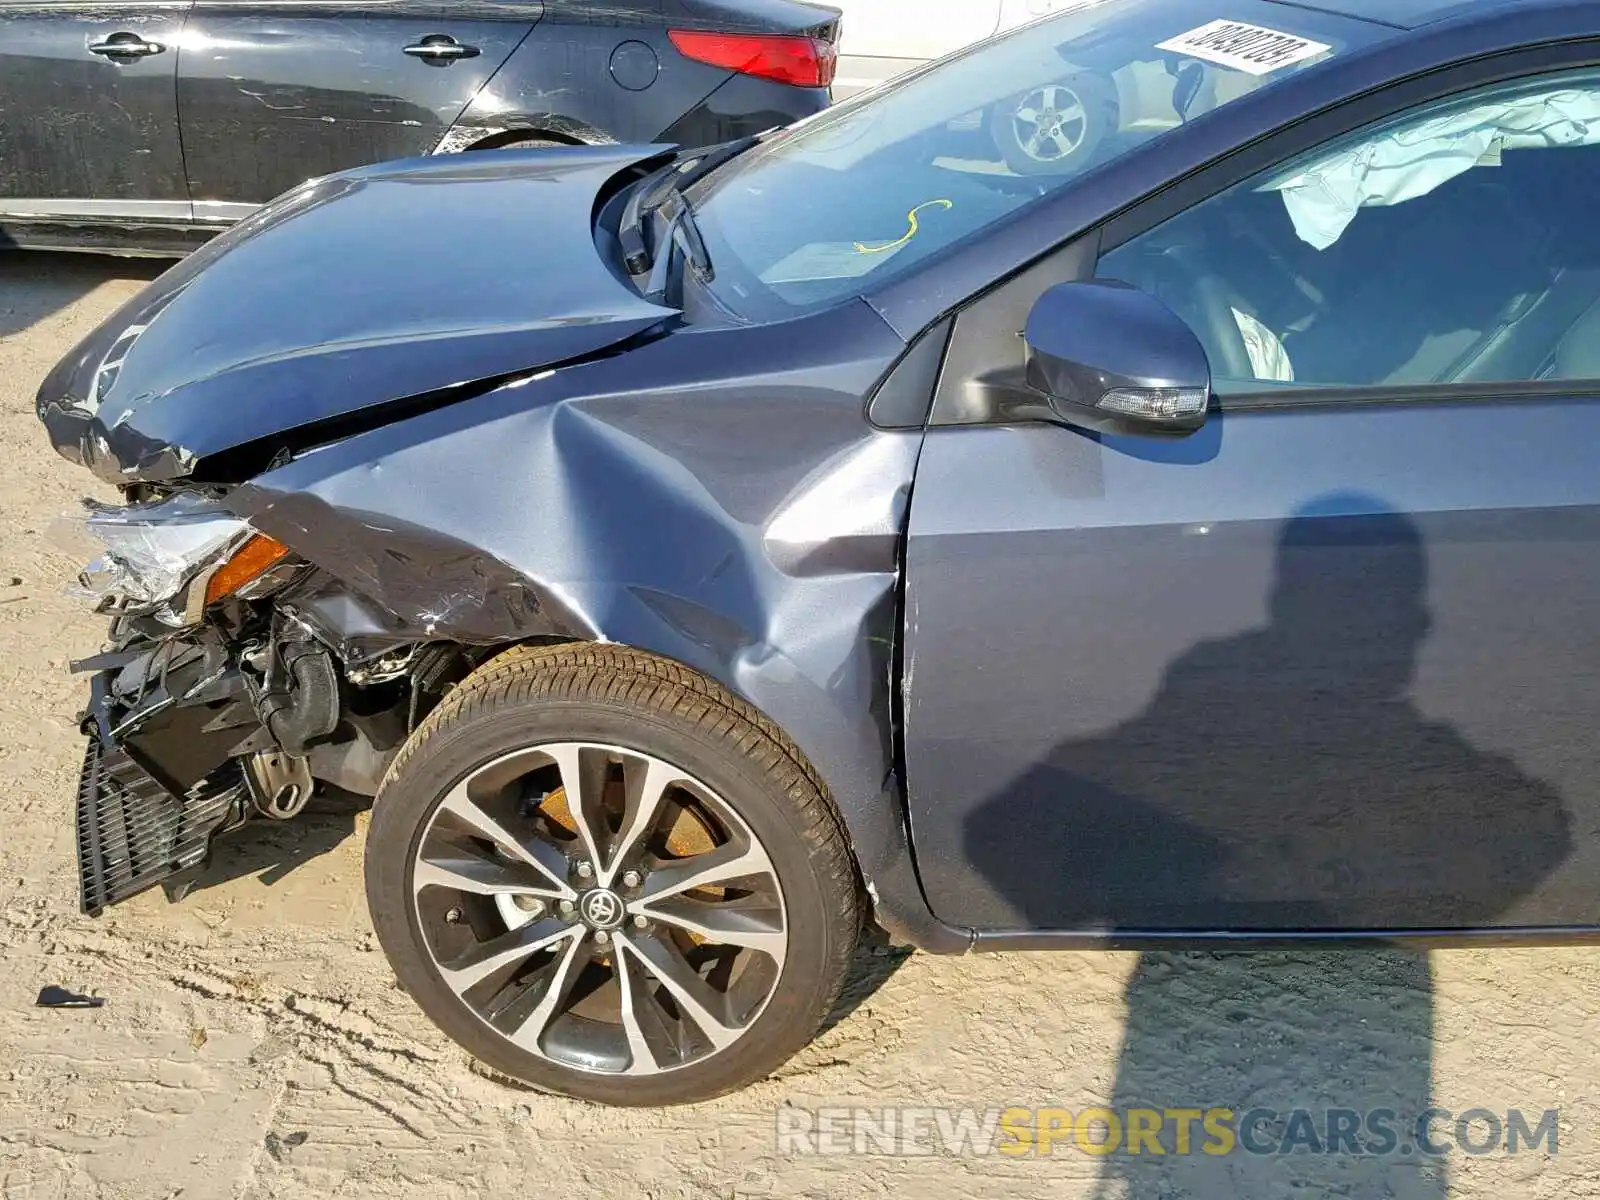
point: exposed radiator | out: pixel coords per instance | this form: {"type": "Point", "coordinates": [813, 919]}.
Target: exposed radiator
{"type": "Point", "coordinates": [133, 833]}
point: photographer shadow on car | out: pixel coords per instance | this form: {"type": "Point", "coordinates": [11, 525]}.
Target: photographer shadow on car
{"type": "Point", "coordinates": [1282, 778]}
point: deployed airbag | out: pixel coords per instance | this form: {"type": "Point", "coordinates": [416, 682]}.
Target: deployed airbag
{"type": "Point", "coordinates": [1405, 163]}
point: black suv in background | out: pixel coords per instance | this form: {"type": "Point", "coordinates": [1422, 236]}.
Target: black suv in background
{"type": "Point", "coordinates": [148, 127]}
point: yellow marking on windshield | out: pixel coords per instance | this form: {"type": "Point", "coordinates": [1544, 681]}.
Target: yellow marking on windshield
{"type": "Point", "coordinates": [916, 227]}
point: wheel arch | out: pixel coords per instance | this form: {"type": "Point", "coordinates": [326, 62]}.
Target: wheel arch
{"type": "Point", "coordinates": [812, 724]}
{"type": "Point", "coordinates": [508, 129]}
{"type": "Point", "coordinates": [851, 757]}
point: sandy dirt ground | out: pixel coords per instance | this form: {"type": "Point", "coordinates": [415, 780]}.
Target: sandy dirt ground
{"type": "Point", "coordinates": [254, 1044]}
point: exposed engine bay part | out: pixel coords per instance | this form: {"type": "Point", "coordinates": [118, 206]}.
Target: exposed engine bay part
{"type": "Point", "coordinates": [168, 718]}
{"type": "Point", "coordinates": [280, 784]}
{"type": "Point", "coordinates": [299, 698]}
{"type": "Point", "coordinates": [180, 704]}
{"type": "Point", "coordinates": [193, 733]}
{"type": "Point", "coordinates": [383, 670]}
{"type": "Point", "coordinates": [436, 670]}
{"type": "Point", "coordinates": [133, 832]}
{"type": "Point", "coordinates": [354, 765]}
{"type": "Point", "coordinates": [357, 630]}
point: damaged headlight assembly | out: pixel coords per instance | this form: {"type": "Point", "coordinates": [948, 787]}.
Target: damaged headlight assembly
{"type": "Point", "coordinates": [170, 558]}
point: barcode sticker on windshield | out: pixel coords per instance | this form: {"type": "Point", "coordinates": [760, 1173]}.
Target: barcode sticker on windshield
{"type": "Point", "coordinates": [1249, 48]}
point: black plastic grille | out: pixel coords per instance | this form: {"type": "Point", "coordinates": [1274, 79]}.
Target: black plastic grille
{"type": "Point", "coordinates": [133, 833]}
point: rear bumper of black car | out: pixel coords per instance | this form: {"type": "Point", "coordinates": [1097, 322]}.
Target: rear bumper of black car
{"type": "Point", "coordinates": [741, 107]}
{"type": "Point", "coordinates": [160, 780]}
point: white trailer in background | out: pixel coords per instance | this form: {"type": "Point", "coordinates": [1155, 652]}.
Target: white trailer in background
{"type": "Point", "coordinates": [883, 38]}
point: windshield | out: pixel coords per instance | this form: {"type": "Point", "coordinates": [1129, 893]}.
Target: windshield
{"type": "Point", "coordinates": [860, 193]}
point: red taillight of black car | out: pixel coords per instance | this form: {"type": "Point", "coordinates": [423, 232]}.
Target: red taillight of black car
{"type": "Point", "coordinates": [786, 58]}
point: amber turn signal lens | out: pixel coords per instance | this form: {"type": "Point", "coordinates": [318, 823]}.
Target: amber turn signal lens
{"type": "Point", "coordinates": [249, 562]}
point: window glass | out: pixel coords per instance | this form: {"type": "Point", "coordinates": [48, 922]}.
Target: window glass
{"type": "Point", "coordinates": [1457, 243]}
{"type": "Point", "coordinates": [845, 200]}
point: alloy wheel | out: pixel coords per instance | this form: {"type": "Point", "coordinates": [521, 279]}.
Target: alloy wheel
{"type": "Point", "coordinates": [1050, 123]}
{"type": "Point", "coordinates": [600, 908]}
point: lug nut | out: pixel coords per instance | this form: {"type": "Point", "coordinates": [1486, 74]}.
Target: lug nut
{"type": "Point", "coordinates": [601, 936]}
{"type": "Point", "coordinates": [453, 916]}
{"type": "Point", "coordinates": [640, 921]}
{"type": "Point", "coordinates": [531, 905]}
{"type": "Point", "coordinates": [566, 907]}
{"type": "Point", "coordinates": [585, 870]}
{"type": "Point", "coordinates": [631, 879]}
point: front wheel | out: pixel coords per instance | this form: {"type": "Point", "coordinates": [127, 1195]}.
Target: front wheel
{"type": "Point", "coordinates": [603, 875]}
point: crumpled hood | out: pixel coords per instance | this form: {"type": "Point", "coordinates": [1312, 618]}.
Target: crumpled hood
{"type": "Point", "coordinates": [354, 290]}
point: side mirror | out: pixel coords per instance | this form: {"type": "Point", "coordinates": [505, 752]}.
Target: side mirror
{"type": "Point", "coordinates": [1116, 360]}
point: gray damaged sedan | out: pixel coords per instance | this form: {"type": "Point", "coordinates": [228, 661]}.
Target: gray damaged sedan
{"type": "Point", "coordinates": [1191, 538]}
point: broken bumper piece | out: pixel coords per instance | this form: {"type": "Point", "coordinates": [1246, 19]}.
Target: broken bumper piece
{"type": "Point", "coordinates": [160, 779]}
{"type": "Point", "coordinates": [133, 833]}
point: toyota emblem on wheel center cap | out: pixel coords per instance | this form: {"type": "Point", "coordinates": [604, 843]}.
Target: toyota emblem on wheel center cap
{"type": "Point", "coordinates": [601, 908]}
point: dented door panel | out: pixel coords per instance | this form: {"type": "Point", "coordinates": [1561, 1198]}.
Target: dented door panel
{"type": "Point", "coordinates": [273, 95]}
{"type": "Point", "coordinates": [80, 125]}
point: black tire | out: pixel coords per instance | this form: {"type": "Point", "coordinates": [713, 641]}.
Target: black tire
{"type": "Point", "coordinates": [531, 142]}
{"type": "Point", "coordinates": [618, 696]}
{"type": "Point", "coordinates": [1101, 116]}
